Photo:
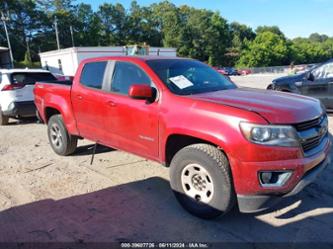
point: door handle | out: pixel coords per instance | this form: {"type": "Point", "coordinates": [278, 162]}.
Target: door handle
{"type": "Point", "coordinates": [79, 97]}
{"type": "Point", "coordinates": [298, 83]}
{"type": "Point", "coordinates": [111, 103]}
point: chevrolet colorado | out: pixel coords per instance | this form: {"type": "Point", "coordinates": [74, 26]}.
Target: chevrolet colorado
{"type": "Point", "coordinates": [224, 145]}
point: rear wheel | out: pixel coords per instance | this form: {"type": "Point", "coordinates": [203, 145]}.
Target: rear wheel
{"type": "Point", "coordinates": [201, 180]}
{"type": "Point", "coordinates": [4, 120]}
{"type": "Point", "coordinates": [61, 141]}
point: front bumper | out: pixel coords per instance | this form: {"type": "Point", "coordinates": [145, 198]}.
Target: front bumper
{"type": "Point", "coordinates": [257, 203]}
{"type": "Point", "coordinates": [21, 109]}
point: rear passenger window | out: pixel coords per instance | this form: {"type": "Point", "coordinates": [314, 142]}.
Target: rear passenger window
{"type": "Point", "coordinates": [126, 74]}
{"type": "Point", "coordinates": [93, 73]}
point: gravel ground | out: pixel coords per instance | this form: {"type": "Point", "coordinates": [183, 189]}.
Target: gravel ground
{"type": "Point", "coordinates": [121, 197]}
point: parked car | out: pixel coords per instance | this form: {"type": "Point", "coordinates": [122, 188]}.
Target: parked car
{"type": "Point", "coordinates": [316, 82]}
{"type": "Point", "coordinates": [16, 96]}
{"type": "Point", "coordinates": [244, 71]}
{"type": "Point", "coordinates": [221, 70]}
{"type": "Point", "coordinates": [224, 145]}
{"type": "Point", "coordinates": [230, 71]}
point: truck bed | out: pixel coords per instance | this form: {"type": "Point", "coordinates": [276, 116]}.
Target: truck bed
{"type": "Point", "coordinates": [59, 82]}
{"type": "Point", "coordinates": [55, 94]}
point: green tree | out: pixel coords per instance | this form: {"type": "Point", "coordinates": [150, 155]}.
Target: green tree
{"type": "Point", "coordinates": [240, 36]}
{"type": "Point", "coordinates": [142, 26]}
{"type": "Point", "coordinates": [196, 33]}
{"type": "Point", "coordinates": [167, 18]}
{"type": "Point", "coordinates": [273, 29]}
{"type": "Point", "coordinates": [315, 37]}
{"type": "Point", "coordinates": [306, 51]}
{"type": "Point", "coordinates": [114, 25]}
{"type": "Point", "coordinates": [240, 33]}
{"type": "Point", "coordinates": [267, 49]}
{"type": "Point", "coordinates": [87, 29]}
{"type": "Point", "coordinates": [24, 21]}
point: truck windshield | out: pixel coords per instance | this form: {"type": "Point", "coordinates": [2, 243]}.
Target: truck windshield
{"type": "Point", "coordinates": [186, 76]}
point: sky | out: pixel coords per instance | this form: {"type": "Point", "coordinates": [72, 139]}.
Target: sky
{"type": "Point", "coordinates": [294, 17]}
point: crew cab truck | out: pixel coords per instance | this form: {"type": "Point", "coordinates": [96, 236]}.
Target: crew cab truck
{"type": "Point", "coordinates": [224, 145]}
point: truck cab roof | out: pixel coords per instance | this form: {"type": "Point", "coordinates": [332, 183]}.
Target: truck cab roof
{"type": "Point", "coordinates": [22, 70]}
{"type": "Point", "coordinates": [133, 58]}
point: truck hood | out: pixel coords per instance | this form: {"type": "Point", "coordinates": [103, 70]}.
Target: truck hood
{"type": "Point", "coordinates": [275, 107]}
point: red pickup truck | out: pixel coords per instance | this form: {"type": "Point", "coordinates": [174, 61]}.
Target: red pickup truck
{"type": "Point", "coordinates": [224, 145]}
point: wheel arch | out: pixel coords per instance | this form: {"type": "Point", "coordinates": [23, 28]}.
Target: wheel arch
{"type": "Point", "coordinates": [176, 142]}
{"type": "Point", "coordinates": [65, 112]}
{"type": "Point", "coordinates": [49, 112]}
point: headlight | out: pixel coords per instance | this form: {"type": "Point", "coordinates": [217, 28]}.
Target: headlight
{"type": "Point", "coordinates": [275, 135]}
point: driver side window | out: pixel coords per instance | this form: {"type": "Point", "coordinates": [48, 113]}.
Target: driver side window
{"type": "Point", "coordinates": [323, 72]}
{"type": "Point", "coordinates": [126, 74]}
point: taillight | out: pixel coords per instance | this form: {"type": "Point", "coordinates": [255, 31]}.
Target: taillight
{"type": "Point", "coordinates": [12, 87]}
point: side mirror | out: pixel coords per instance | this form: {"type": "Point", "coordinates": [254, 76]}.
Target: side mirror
{"type": "Point", "coordinates": [309, 76]}
{"type": "Point", "coordinates": [138, 91]}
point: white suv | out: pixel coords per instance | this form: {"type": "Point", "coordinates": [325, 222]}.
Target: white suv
{"type": "Point", "coordinates": [16, 92]}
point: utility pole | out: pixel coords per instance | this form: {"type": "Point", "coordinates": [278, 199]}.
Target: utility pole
{"type": "Point", "coordinates": [56, 30]}
{"type": "Point", "coordinates": [72, 35]}
{"type": "Point", "coordinates": [28, 48]}
{"type": "Point", "coordinates": [4, 19]}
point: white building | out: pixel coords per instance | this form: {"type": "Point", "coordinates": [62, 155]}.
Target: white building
{"type": "Point", "coordinates": [65, 61]}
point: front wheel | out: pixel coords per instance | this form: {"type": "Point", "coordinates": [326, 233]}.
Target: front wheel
{"type": "Point", "coordinates": [270, 87]}
{"type": "Point", "coordinates": [61, 141]}
{"type": "Point", "coordinates": [201, 180]}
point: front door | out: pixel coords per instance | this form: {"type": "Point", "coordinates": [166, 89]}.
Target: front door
{"type": "Point", "coordinates": [131, 124]}
{"type": "Point", "coordinates": [316, 88]}
{"type": "Point", "coordinates": [318, 84]}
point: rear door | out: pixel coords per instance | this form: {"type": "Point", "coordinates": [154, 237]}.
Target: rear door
{"type": "Point", "coordinates": [88, 100]}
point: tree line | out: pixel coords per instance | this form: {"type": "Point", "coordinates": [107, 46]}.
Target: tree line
{"type": "Point", "coordinates": [197, 33]}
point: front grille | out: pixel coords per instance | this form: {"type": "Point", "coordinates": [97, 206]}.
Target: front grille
{"type": "Point", "coordinates": [309, 124]}
{"type": "Point", "coordinates": [312, 132]}
{"type": "Point", "coordinates": [311, 143]}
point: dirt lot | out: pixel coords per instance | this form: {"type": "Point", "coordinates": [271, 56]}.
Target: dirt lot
{"type": "Point", "coordinates": [44, 197]}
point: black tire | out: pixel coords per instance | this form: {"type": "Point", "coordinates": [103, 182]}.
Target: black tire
{"type": "Point", "coordinates": [4, 120]}
{"type": "Point", "coordinates": [213, 161]}
{"type": "Point", "coordinates": [270, 87]}
{"type": "Point", "coordinates": [61, 141]}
